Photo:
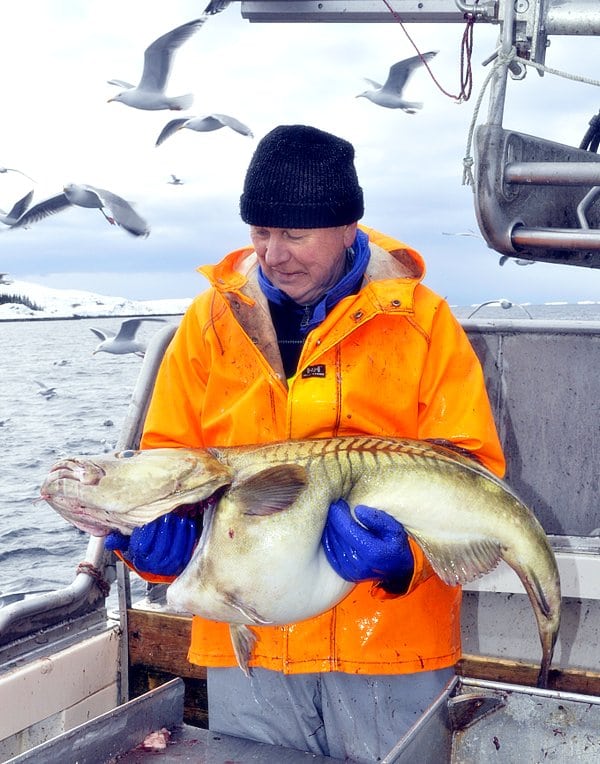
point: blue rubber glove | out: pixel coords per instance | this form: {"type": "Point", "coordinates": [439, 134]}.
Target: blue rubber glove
{"type": "Point", "coordinates": [163, 546]}
{"type": "Point", "coordinates": [376, 547]}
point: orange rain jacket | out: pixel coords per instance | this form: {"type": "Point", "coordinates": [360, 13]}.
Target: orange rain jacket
{"type": "Point", "coordinates": [390, 360]}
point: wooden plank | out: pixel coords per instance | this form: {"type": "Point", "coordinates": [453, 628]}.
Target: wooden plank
{"type": "Point", "coordinates": [516, 672]}
{"type": "Point", "coordinates": [161, 640]}
{"type": "Point", "coordinates": [158, 646]}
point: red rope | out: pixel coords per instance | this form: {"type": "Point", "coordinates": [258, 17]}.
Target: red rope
{"type": "Point", "coordinates": [466, 52]}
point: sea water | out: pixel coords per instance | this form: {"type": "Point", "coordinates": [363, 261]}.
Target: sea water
{"type": "Point", "coordinates": [38, 549]}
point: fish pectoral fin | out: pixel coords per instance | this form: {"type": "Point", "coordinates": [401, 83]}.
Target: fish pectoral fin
{"type": "Point", "coordinates": [243, 640]}
{"type": "Point", "coordinates": [270, 490]}
{"type": "Point", "coordinates": [459, 562]}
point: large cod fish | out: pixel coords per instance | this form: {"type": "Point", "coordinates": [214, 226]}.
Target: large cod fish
{"type": "Point", "coordinates": [259, 559]}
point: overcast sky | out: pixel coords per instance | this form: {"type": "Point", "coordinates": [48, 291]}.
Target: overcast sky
{"type": "Point", "coordinates": [57, 127]}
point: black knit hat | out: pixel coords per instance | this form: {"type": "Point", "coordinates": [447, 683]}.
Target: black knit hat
{"type": "Point", "coordinates": [301, 177]}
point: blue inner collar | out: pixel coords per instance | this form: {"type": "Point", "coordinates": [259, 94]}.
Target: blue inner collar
{"type": "Point", "coordinates": [357, 258]}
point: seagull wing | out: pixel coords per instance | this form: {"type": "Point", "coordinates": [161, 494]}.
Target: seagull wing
{"type": "Point", "coordinates": [400, 72]}
{"type": "Point", "coordinates": [373, 83]}
{"type": "Point", "coordinates": [20, 206]}
{"type": "Point", "coordinates": [122, 212]}
{"type": "Point", "coordinates": [234, 124]}
{"type": "Point", "coordinates": [17, 210]}
{"type": "Point", "coordinates": [12, 169]}
{"type": "Point", "coordinates": [42, 210]}
{"type": "Point", "coordinates": [121, 84]}
{"type": "Point", "coordinates": [216, 6]}
{"type": "Point", "coordinates": [102, 334]}
{"type": "Point", "coordinates": [158, 56]}
{"type": "Point", "coordinates": [129, 328]}
{"type": "Point", "coordinates": [171, 127]}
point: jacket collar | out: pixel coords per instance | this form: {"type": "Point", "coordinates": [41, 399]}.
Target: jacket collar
{"type": "Point", "coordinates": [388, 285]}
{"type": "Point", "coordinates": [390, 260]}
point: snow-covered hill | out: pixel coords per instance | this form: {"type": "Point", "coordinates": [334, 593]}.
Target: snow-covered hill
{"type": "Point", "coordinates": [67, 303]}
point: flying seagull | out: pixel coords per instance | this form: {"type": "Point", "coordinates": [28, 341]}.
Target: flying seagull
{"type": "Point", "coordinates": [203, 125]}
{"type": "Point", "coordinates": [175, 181]}
{"type": "Point", "coordinates": [518, 261]}
{"type": "Point", "coordinates": [149, 93]}
{"type": "Point", "coordinates": [390, 94]}
{"type": "Point", "coordinates": [123, 341]}
{"type": "Point", "coordinates": [12, 169]}
{"type": "Point", "coordinates": [45, 392]}
{"type": "Point", "coordinates": [82, 195]}
{"type": "Point", "coordinates": [18, 208]}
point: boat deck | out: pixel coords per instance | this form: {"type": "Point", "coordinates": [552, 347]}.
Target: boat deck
{"type": "Point", "coordinates": [117, 737]}
{"type": "Point", "coordinates": [201, 746]}
{"type": "Point", "coordinates": [471, 721]}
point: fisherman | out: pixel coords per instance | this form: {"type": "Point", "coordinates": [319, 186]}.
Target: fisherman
{"type": "Point", "coordinates": [321, 328]}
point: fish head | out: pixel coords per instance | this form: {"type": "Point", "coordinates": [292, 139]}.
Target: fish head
{"type": "Point", "coordinates": [127, 489]}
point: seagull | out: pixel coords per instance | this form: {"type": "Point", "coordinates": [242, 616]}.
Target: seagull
{"type": "Point", "coordinates": [45, 392]}
{"type": "Point", "coordinates": [517, 261]}
{"type": "Point", "coordinates": [203, 125]}
{"type": "Point", "coordinates": [175, 181]}
{"type": "Point", "coordinates": [10, 218]}
{"type": "Point", "coordinates": [150, 91]}
{"type": "Point", "coordinates": [123, 341]}
{"type": "Point", "coordinates": [122, 213]}
{"type": "Point", "coordinates": [12, 169]}
{"type": "Point", "coordinates": [390, 94]}
{"type": "Point", "coordinates": [501, 303]}
{"type": "Point", "coordinates": [463, 233]}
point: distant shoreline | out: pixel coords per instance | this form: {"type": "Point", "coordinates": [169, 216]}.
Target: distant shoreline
{"type": "Point", "coordinates": [17, 319]}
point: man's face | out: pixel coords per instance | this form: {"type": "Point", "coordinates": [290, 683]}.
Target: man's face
{"type": "Point", "coordinates": [303, 262]}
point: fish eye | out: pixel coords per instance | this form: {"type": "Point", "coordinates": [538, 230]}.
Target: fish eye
{"type": "Point", "coordinates": [127, 454]}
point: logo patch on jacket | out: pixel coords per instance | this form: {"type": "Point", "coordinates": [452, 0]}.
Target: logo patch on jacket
{"type": "Point", "coordinates": [317, 370]}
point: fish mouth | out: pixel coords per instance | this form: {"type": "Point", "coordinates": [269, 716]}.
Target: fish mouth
{"type": "Point", "coordinates": [70, 507]}
{"type": "Point", "coordinates": [98, 522]}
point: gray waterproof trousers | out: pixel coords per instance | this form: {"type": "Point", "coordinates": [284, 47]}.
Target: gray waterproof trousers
{"type": "Point", "coordinates": [346, 716]}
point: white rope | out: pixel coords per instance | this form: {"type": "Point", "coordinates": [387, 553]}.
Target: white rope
{"type": "Point", "coordinates": [558, 73]}
{"type": "Point", "coordinates": [502, 59]}
{"type": "Point", "coordinates": [468, 159]}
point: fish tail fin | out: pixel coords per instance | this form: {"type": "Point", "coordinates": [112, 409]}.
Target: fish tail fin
{"type": "Point", "coordinates": [547, 615]}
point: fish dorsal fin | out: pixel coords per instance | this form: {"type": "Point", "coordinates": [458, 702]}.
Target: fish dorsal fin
{"type": "Point", "coordinates": [459, 562]}
{"type": "Point", "coordinates": [270, 490]}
